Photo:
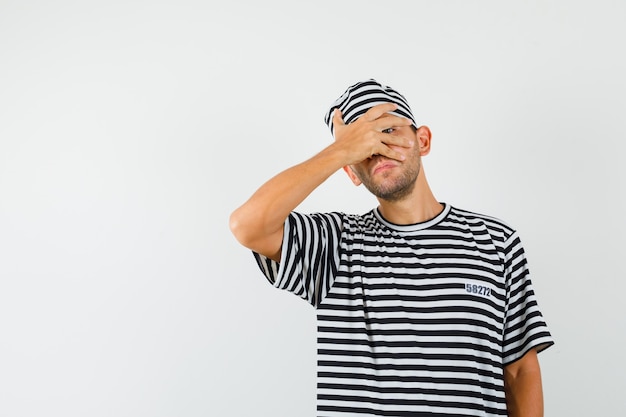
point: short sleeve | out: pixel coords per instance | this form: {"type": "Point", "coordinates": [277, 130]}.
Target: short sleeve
{"type": "Point", "coordinates": [524, 326]}
{"type": "Point", "coordinates": [309, 256]}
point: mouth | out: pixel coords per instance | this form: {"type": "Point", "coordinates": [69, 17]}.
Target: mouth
{"type": "Point", "coordinates": [383, 166]}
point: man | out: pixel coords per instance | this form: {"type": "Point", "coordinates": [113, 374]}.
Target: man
{"type": "Point", "coordinates": [423, 309]}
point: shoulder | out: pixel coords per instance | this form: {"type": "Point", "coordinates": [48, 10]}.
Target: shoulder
{"type": "Point", "coordinates": [494, 225]}
{"type": "Point", "coordinates": [338, 221]}
{"type": "Point", "coordinates": [336, 218]}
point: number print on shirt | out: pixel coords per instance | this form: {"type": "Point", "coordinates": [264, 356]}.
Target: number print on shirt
{"type": "Point", "coordinates": [478, 289]}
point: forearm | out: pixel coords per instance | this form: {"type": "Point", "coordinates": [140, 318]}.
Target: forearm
{"type": "Point", "coordinates": [258, 223]}
{"type": "Point", "coordinates": [266, 210]}
{"type": "Point", "coordinates": [524, 392]}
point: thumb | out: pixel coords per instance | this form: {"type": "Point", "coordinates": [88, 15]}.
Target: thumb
{"type": "Point", "coordinates": [337, 118]}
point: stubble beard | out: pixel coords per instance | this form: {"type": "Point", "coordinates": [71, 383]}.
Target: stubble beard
{"type": "Point", "coordinates": [396, 190]}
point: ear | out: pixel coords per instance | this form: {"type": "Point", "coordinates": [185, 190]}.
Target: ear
{"type": "Point", "coordinates": [355, 180]}
{"type": "Point", "coordinates": [424, 138]}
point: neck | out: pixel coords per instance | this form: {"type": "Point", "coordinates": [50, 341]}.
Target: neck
{"type": "Point", "coordinates": [419, 206]}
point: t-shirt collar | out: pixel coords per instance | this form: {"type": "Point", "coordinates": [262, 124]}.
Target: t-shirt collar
{"type": "Point", "coordinates": [416, 226]}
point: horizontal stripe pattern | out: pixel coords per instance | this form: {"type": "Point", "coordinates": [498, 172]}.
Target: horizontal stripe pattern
{"type": "Point", "coordinates": [412, 319]}
{"type": "Point", "coordinates": [361, 96]}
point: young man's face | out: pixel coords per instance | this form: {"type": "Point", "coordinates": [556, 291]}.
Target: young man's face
{"type": "Point", "coordinates": [389, 179]}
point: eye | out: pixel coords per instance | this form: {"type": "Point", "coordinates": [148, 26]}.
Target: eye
{"type": "Point", "coordinates": [389, 130]}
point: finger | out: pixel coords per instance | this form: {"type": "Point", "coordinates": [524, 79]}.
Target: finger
{"type": "Point", "coordinates": [396, 140]}
{"type": "Point", "coordinates": [387, 121]}
{"type": "Point", "coordinates": [390, 153]}
{"type": "Point", "coordinates": [337, 118]}
{"type": "Point", "coordinates": [378, 110]}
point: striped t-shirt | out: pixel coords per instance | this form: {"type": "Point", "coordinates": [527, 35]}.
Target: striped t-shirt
{"type": "Point", "coordinates": [413, 320]}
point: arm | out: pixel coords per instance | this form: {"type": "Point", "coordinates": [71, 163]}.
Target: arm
{"type": "Point", "coordinates": [522, 385]}
{"type": "Point", "coordinates": [258, 223]}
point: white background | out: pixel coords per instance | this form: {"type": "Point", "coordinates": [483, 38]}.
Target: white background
{"type": "Point", "coordinates": [129, 130]}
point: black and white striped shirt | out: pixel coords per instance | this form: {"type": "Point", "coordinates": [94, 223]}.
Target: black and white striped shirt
{"type": "Point", "coordinates": [413, 320]}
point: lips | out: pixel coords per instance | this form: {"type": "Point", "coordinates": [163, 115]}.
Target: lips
{"type": "Point", "coordinates": [384, 165]}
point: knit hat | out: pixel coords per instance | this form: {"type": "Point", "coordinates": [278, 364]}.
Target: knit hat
{"type": "Point", "coordinates": [362, 96]}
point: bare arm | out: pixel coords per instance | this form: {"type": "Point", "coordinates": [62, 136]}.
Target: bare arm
{"type": "Point", "coordinates": [522, 384]}
{"type": "Point", "coordinates": [258, 223]}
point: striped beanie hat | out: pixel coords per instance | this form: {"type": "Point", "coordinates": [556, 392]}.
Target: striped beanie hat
{"type": "Point", "coordinates": [362, 96]}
